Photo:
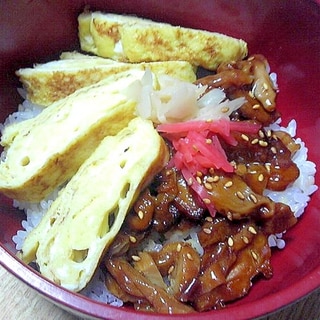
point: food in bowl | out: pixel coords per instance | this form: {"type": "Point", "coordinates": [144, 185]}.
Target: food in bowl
{"type": "Point", "coordinates": [198, 188]}
{"type": "Point", "coordinates": [133, 39]}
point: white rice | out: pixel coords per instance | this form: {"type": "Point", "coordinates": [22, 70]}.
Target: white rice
{"type": "Point", "coordinates": [26, 110]}
{"type": "Point", "coordinates": [296, 196]}
{"type": "Point", "coordinates": [34, 213]}
{"type": "Point", "coordinates": [96, 290]}
{"type": "Point", "coordinates": [156, 241]}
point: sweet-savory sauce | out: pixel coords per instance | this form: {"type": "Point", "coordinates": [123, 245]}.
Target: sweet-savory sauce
{"type": "Point", "coordinates": [216, 256]}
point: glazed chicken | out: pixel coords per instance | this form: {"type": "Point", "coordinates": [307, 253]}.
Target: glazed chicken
{"type": "Point", "coordinates": [216, 256]}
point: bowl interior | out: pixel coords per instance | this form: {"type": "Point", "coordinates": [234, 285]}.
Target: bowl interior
{"type": "Point", "coordinates": [286, 32]}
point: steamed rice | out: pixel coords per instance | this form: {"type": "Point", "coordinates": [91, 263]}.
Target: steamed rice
{"type": "Point", "coordinates": [296, 196]}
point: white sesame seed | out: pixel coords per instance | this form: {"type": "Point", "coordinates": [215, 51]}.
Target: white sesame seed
{"type": "Point", "coordinates": [170, 269]}
{"type": "Point", "coordinates": [268, 167]}
{"type": "Point", "coordinates": [216, 179]}
{"type": "Point", "coordinates": [245, 240]}
{"type": "Point", "coordinates": [140, 214]}
{"type": "Point", "coordinates": [199, 173]}
{"type": "Point", "coordinates": [210, 179]}
{"type": "Point", "coordinates": [261, 134]}
{"type": "Point", "coordinates": [263, 143]}
{"type": "Point", "coordinates": [244, 137]}
{"type": "Point", "coordinates": [135, 258]}
{"type": "Point", "coordinates": [189, 256]}
{"type": "Point", "coordinates": [254, 255]}
{"type": "Point", "coordinates": [228, 184]}
{"type": "Point", "coordinates": [208, 186]}
{"type": "Point", "coordinates": [240, 195]}
{"type": "Point", "coordinates": [252, 230]}
{"type": "Point", "coordinates": [253, 198]}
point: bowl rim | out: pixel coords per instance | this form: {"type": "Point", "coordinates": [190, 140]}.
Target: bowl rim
{"type": "Point", "coordinates": [77, 303]}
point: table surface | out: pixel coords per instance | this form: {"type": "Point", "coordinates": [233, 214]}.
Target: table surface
{"type": "Point", "coordinates": [19, 302]}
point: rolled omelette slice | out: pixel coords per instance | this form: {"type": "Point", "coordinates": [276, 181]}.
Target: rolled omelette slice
{"type": "Point", "coordinates": [54, 80]}
{"type": "Point", "coordinates": [80, 224]}
{"type": "Point", "coordinates": [44, 152]}
{"type": "Point", "coordinates": [134, 39]}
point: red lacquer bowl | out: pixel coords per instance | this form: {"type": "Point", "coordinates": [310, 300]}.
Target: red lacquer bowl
{"type": "Point", "coordinates": [286, 32]}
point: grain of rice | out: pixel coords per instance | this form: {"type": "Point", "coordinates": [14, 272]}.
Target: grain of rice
{"type": "Point", "coordinates": [296, 196]}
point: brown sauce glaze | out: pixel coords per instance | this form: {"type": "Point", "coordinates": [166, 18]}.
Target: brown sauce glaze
{"type": "Point", "coordinates": [263, 160]}
{"type": "Point", "coordinates": [250, 79]}
{"type": "Point", "coordinates": [234, 242]}
{"type": "Point", "coordinates": [181, 276]}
